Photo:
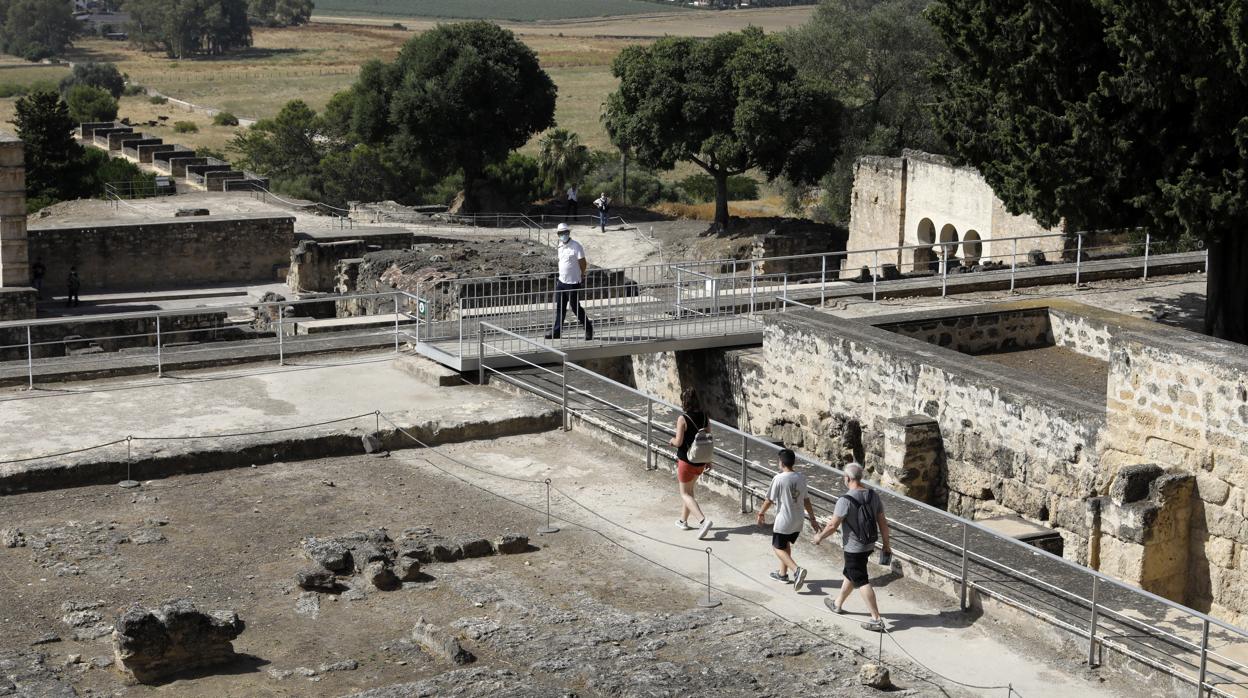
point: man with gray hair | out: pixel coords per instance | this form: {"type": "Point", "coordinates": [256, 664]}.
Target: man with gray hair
{"type": "Point", "coordinates": [862, 512]}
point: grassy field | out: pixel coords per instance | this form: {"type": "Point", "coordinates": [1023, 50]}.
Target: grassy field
{"type": "Point", "coordinates": [515, 10]}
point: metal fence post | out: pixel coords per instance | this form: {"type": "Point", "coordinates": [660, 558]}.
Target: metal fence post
{"type": "Point", "coordinates": [944, 271]}
{"type": "Point", "coordinates": [1013, 264]}
{"type": "Point", "coordinates": [567, 426]}
{"type": "Point", "coordinates": [745, 452]}
{"type": "Point", "coordinates": [680, 311]}
{"type": "Point", "coordinates": [1204, 659]}
{"type": "Point", "coordinates": [281, 352]}
{"type": "Point", "coordinates": [30, 360]}
{"type": "Point", "coordinates": [396, 322]}
{"type": "Point", "coordinates": [965, 566]}
{"type": "Point", "coordinates": [649, 422]}
{"type": "Point", "coordinates": [875, 275]}
{"type": "Point", "coordinates": [752, 273]}
{"type": "Point", "coordinates": [480, 356]}
{"type": "Point", "coordinates": [160, 368]}
{"type": "Point", "coordinates": [1096, 586]}
{"type": "Point", "coordinates": [1147, 240]}
{"type": "Point", "coordinates": [823, 279]}
{"type": "Point", "coordinates": [1078, 258]}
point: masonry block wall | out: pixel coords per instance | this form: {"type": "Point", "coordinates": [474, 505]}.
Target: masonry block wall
{"type": "Point", "coordinates": [17, 303]}
{"type": "Point", "coordinates": [14, 267]}
{"type": "Point", "coordinates": [165, 253]}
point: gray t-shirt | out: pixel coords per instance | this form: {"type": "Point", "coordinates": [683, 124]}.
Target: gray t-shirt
{"type": "Point", "coordinates": [873, 507]}
{"type": "Point", "coordinates": [788, 491]}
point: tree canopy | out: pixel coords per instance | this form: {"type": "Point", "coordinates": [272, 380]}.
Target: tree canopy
{"type": "Point", "coordinates": [458, 98]}
{"type": "Point", "coordinates": [186, 28]}
{"type": "Point", "coordinates": [875, 56]}
{"type": "Point", "coordinates": [728, 104]}
{"type": "Point", "coordinates": [87, 103]}
{"type": "Point", "coordinates": [105, 76]}
{"type": "Point", "coordinates": [36, 29]}
{"type": "Point", "coordinates": [562, 158]}
{"type": "Point", "coordinates": [279, 13]}
{"type": "Point", "coordinates": [1109, 113]}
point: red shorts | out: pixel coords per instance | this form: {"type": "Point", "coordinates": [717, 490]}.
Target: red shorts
{"type": "Point", "coordinates": [688, 472]}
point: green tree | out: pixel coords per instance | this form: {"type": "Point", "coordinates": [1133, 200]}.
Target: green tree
{"type": "Point", "coordinates": [279, 13]}
{"type": "Point", "coordinates": [458, 98]}
{"type": "Point", "coordinates": [562, 158]}
{"type": "Point", "coordinates": [875, 56]}
{"type": "Point", "coordinates": [1110, 113]}
{"type": "Point", "coordinates": [54, 161]}
{"type": "Point", "coordinates": [105, 76]}
{"type": "Point", "coordinates": [359, 174]}
{"type": "Point", "coordinates": [87, 103]}
{"type": "Point", "coordinates": [36, 29]}
{"type": "Point", "coordinates": [186, 28]}
{"type": "Point", "coordinates": [728, 104]}
{"type": "Point", "coordinates": [285, 147]}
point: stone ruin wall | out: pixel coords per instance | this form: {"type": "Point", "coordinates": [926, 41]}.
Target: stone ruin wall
{"type": "Point", "coordinates": [892, 197]}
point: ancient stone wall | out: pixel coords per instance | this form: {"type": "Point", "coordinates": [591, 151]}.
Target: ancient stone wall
{"type": "Point", "coordinates": [980, 333]}
{"type": "Point", "coordinates": [314, 265]}
{"type": "Point", "coordinates": [165, 253]}
{"type": "Point", "coordinates": [877, 209]}
{"type": "Point", "coordinates": [14, 262]}
{"type": "Point", "coordinates": [88, 335]}
{"type": "Point", "coordinates": [17, 303]}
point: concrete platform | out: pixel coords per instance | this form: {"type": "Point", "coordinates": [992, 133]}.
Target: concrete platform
{"type": "Point", "coordinates": [342, 324]}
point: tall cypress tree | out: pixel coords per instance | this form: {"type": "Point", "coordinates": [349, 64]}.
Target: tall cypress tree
{"type": "Point", "coordinates": [54, 161]}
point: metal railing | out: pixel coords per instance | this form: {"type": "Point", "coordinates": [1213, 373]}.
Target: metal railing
{"type": "Point", "coordinates": [1193, 647]}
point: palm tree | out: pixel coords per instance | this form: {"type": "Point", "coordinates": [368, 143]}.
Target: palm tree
{"type": "Point", "coordinates": [562, 158]}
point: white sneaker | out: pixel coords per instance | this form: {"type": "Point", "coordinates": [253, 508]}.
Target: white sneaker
{"type": "Point", "coordinates": [683, 526]}
{"type": "Point", "coordinates": [799, 578]}
{"type": "Point", "coordinates": [706, 527]}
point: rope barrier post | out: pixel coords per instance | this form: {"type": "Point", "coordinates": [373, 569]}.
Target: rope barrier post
{"type": "Point", "coordinates": [1147, 239]}
{"type": "Point", "coordinates": [1096, 584]}
{"type": "Point", "coordinates": [30, 360]}
{"type": "Point", "coordinates": [128, 483]}
{"type": "Point", "coordinates": [712, 603]}
{"type": "Point", "coordinates": [965, 567]}
{"type": "Point", "coordinates": [1013, 264]}
{"type": "Point", "coordinates": [377, 423]}
{"type": "Point", "coordinates": [1078, 258]}
{"type": "Point", "coordinates": [649, 422]}
{"type": "Point", "coordinates": [160, 368]}
{"type": "Point", "coordinates": [875, 275]}
{"type": "Point", "coordinates": [547, 529]}
{"type": "Point", "coordinates": [567, 425]}
{"type": "Point", "coordinates": [745, 454]}
{"type": "Point", "coordinates": [1204, 659]}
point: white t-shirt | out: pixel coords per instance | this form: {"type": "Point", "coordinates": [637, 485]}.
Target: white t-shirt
{"type": "Point", "coordinates": [572, 194]}
{"type": "Point", "coordinates": [788, 492]}
{"type": "Point", "coordinates": [570, 254]}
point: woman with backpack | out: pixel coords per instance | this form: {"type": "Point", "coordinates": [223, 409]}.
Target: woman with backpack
{"type": "Point", "coordinates": [692, 442]}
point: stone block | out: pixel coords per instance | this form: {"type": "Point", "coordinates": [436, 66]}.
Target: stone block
{"type": "Point", "coordinates": [511, 544]}
{"type": "Point", "coordinates": [1132, 483]}
{"type": "Point", "coordinates": [152, 645]}
{"type": "Point", "coordinates": [474, 547]}
{"type": "Point", "coordinates": [407, 569]}
{"type": "Point", "coordinates": [380, 573]}
{"type": "Point", "coordinates": [1221, 552]}
{"type": "Point", "coordinates": [328, 553]}
{"type": "Point", "coordinates": [316, 579]}
{"type": "Point", "coordinates": [441, 644]}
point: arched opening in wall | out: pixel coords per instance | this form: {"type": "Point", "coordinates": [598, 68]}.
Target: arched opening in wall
{"type": "Point", "coordinates": [972, 248]}
{"type": "Point", "coordinates": [924, 259]}
{"type": "Point", "coordinates": [948, 249]}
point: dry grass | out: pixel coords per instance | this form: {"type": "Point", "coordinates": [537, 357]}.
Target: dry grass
{"type": "Point", "coordinates": [759, 208]}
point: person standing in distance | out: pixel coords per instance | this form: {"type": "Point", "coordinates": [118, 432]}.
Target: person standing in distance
{"type": "Point", "coordinates": [72, 285]}
{"type": "Point", "coordinates": [568, 285]}
{"type": "Point", "coordinates": [603, 204]}
{"type": "Point", "coordinates": [788, 493]}
{"type": "Point", "coordinates": [691, 419]}
{"type": "Point", "coordinates": [862, 512]}
{"type": "Point", "coordinates": [572, 196]}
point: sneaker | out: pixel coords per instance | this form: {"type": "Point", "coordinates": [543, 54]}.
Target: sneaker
{"type": "Point", "coordinates": [705, 528]}
{"type": "Point", "coordinates": [683, 526]}
{"type": "Point", "coordinates": [799, 578]}
{"type": "Point", "coordinates": [551, 335]}
{"type": "Point", "coordinates": [875, 625]}
{"type": "Point", "coordinates": [831, 604]}
{"type": "Point", "coordinates": [781, 577]}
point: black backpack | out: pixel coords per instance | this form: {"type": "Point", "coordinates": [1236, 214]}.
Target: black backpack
{"type": "Point", "coordinates": [861, 518]}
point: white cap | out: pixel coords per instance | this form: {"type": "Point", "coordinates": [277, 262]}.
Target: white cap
{"type": "Point", "coordinates": [563, 228]}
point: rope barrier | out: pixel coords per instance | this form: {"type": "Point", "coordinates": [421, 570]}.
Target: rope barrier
{"type": "Point", "coordinates": [63, 453]}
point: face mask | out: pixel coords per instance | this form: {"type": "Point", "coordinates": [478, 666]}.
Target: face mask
{"type": "Point", "coordinates": [564, 238]}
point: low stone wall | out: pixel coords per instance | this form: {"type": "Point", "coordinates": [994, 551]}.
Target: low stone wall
{"type": "Point", "coordinates": [110, 335]}
{"type": "Point", "coordinates": [979, 333]}
{"type": "Point", "coordinates": [17, 303]}
{"type": "Point", "coordinates": [165, 253]}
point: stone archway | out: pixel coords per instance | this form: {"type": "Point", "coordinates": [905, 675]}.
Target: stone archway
{"type": "Point", "coordinates": [947, 251]}
{"type": "Point", "coordinates": [972, 248]}
{"type": "Point", "coordinates": [924, 259]}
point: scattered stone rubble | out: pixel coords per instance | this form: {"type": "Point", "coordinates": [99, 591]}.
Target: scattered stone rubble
{"type": "Point", "coordinates": [345, 563]}
{"type": "Point", "coordinates": [150, 645]}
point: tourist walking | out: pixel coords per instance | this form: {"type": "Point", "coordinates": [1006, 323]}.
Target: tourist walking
{"type": "Point", "coordinates": [570, 281]}
{"type": "Point", "coordinates": [572, 196]}
{"type": "Point", "coordinates": [72, 285]}
{"type": "Point", "coordinates": [788, 494]}
{"type": "Point", "coordinates": [691, 420]}
{"type": "Point", "coordinates": [37, 272]}
{"type": "Point", "coordinates": [603, 204]}
{"type": "Point", "coordinates": [862, 512]}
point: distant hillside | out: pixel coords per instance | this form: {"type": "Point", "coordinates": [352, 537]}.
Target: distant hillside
{"type": "Point", "coordinates": [516, 10]}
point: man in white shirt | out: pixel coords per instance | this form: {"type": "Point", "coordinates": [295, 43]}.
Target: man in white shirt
{"type": "Point", "coordinates": [788, 493]}
{"type": "Point", "coordinates": [603, 204]}
{"type": "Point", "coordinates": [568, 285]}
{"type": "Point", "coordinates": [572, 196]}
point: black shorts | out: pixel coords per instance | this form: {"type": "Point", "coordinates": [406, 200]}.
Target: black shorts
{"type": "Point", "coordinates": [856, 568]}
{"type": "Point", "coordinates": [782, 541]}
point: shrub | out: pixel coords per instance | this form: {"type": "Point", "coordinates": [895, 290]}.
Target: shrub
{"type": "Point", "coordinates": [87, 103]}
{"type": "Point", "coordinates": [700, 188]}
{"type": "Point", "coordinates": [224, 118]}
{"type": "Point", "coordinates": [105, 76]}
{"type": "Point", "coordinates": [133, 90]}
{"type": "Point", "coordinates": [159, 99]}
{"type": "Point", "coordinates": [19, 89]}
{"type": "Point", "coordinates": [185, 127]}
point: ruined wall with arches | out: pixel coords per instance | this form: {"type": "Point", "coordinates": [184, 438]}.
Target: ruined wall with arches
{"type": "Point", "coordinates": [919, 211]}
